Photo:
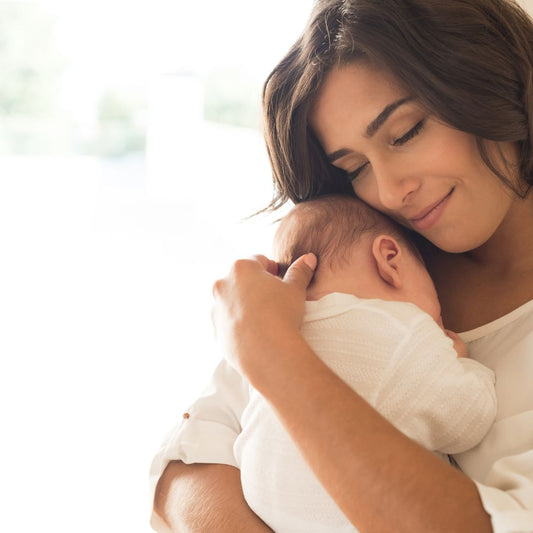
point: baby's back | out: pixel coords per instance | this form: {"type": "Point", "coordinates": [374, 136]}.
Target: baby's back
{"type": "Point", "coordinates": [277, 482]}
{"type": "Point", "coordinates": [401, 362]}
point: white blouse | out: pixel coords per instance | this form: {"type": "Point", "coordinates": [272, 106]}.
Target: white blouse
{"type": "Point", "coordinates": [501, 465]}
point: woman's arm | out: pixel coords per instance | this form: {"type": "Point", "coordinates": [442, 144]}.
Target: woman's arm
{"type": "Point", "coordinates": [200, 498]}
{"type": "Point", "coordinates": [206, 434]}
{"type": "Point", "coordinates": [381, 480]}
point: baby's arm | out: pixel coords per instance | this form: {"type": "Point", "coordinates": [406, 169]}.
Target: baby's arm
{"type": "Point", "coordinates": [446, 403]}
{"type": "Point", "coordinates": [400, 361]}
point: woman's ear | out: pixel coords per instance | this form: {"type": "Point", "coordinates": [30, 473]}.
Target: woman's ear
{"type": "Point", "coordinates": [388, 256]}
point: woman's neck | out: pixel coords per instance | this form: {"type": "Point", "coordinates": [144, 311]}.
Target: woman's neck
{"type": "Point", "coordinates": [509, 251]}
{"type": "Point", "coordinates": [486, 283]}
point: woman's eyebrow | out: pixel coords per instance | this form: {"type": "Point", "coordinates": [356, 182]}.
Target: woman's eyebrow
{"type": "Point", "coordinates": [373, 127]}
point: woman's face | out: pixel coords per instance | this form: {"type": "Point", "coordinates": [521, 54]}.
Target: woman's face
{"type": "Point", "coordinates": [428, 176]}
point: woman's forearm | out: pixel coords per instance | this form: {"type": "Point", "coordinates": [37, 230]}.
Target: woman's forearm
{"type": "Point", "coordinates": [381, 479]}
{"type": "Point", "coordinates": [202, 497]}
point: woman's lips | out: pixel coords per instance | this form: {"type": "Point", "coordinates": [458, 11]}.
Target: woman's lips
{"type": "Point", "coordinates": [431, 216]}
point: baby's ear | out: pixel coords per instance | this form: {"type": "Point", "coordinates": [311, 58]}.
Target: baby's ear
{"type": "Point", "coordinates": [388, 256]}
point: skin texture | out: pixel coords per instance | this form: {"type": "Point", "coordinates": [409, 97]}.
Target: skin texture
{"type": "Point", "coordinates": [380, 479]}
{"type": "Point", "coordinates": [402, 179]}
{"type": "Point", "coordinates": [203, 498]}
{"type": "Point", "coordinates": [395, 487]}
{"type": "Point", "coordinates": [481, 217]}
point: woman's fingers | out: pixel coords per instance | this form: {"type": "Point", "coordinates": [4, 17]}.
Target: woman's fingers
{"type": "Point", "coordinates": [301, 272]}
{"type": "Point", "coordinates": [242, 268]}
{"type": "Point", "coordinates": [253, 307]}
{"type": "Point", "coordinates": [270, 266]}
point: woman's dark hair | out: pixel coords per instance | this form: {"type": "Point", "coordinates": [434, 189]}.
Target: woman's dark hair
{"type": "Point", "coordinates": [469, 62]}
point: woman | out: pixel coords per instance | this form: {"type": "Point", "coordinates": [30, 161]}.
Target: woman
{"type": "Point", "coordinates": [421, 108]}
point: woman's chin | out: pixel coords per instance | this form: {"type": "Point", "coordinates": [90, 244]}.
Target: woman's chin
{"type": "Point", "coordinates": [456, 246]}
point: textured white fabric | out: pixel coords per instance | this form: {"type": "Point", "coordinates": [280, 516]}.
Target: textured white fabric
{"type": "Point", "coordinates": [399, 360]}
{"type": "Point", "coordinates": [208, 433]}
{"type": "Point", "coordinates": [502, 464]}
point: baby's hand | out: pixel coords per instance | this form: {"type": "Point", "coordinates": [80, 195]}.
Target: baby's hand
{"type": "Point", "coordinates": [460, 346]}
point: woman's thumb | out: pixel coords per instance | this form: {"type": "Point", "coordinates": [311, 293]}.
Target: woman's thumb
{"type": "Point", "coordinates": [300, 273]}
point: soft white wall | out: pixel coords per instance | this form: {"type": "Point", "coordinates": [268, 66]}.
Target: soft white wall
{"type": "Point", "coordinates": [107, 266]}
{"type": "Point", "coordinates": [106, 270]}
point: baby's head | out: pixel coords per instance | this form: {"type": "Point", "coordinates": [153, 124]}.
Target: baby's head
{"type": "Point", "coordinates": [359, 251]}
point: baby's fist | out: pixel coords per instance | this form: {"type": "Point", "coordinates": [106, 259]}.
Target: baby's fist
{"type": "Point", "coordinates": [460, 346]}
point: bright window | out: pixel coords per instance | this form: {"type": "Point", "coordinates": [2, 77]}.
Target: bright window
{"type": "Point", "coordinates": [130, 151]}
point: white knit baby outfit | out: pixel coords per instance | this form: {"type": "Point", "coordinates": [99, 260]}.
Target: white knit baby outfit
{"type": "Point", "coordinates": [400, 361]}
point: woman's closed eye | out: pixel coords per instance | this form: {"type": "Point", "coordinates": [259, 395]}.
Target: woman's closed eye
{"type": "Point", "coordinates": [413, 132]}
{"type": "Point", "coordinates": [400, 141]}
{"type": "Point", "coordinates": [352, 175]}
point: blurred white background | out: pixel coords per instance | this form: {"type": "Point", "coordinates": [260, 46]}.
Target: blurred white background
{"type": "Point", "coordinates": [130, 152]}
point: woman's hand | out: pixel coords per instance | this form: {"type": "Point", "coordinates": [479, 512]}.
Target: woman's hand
{"type": "Point", "coordinates": [255, 310]}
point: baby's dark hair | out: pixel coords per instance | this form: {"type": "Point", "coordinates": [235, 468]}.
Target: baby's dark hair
{"type": "Point", "coordinates": [330, 226]}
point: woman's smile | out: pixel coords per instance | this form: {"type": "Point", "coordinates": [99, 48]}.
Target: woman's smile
{"type": "Point", "coordinates": [407, 163]}
{"type": "Point", "coordinates": [430, 215]}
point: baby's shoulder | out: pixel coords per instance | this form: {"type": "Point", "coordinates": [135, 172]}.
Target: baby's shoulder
{"type": "Point", "coordinates": [374, 314]}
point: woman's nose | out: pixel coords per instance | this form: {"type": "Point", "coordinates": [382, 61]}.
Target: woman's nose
{"type": "Point", "coordinates": [395, 184]}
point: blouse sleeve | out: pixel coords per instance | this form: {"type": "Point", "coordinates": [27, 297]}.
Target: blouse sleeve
{"type": "Point", "coordinates": [208, 428]}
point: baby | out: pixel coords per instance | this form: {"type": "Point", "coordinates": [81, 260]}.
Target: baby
{"type": "Point", "coordinates": [373, 317]}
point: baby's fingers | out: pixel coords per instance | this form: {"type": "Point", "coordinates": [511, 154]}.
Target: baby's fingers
{"type": "Point", "coordinates": [458, 343]}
